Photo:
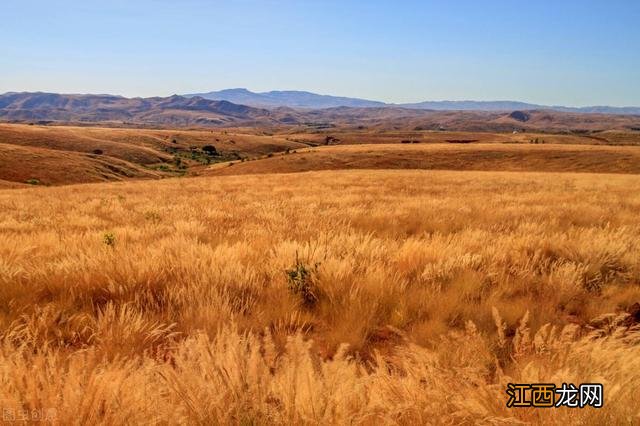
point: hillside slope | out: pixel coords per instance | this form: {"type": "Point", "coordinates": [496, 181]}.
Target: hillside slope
{"type": "Point", "coordinates": [66, 154]}
{"type": "Point", "coordinates": [41, 166]}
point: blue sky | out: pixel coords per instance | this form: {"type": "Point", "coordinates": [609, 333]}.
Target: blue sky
{"type": "Point", "coordinates": [551, 52]}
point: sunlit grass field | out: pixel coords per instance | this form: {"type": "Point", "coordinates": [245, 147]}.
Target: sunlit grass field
{"type": "Point", "coordinates": [334, 297]}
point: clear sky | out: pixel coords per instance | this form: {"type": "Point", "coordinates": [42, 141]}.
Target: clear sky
{"type": "Point", "coordinates": [566, 52]}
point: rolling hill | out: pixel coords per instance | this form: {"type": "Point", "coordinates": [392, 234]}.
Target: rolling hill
{"type": "Point", "coordinates": [178, 111]}
{"type": "Point", "coordinates": [54, 155]}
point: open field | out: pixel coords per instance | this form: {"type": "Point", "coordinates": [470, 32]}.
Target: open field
{"type": "Point", "coordinates": [358, 296]}
{"type": "Point", "coordinates": [55, 155]}
{"type": "Point", "coordinates": [365, 136]}
{"type": "Point", "coordinates": [476, 156]}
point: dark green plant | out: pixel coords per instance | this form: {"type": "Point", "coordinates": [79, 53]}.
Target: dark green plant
{"type": "Point", "coordinates": [109, 239]}
{"type": "Point", "coordinates": [210, 150]}
{"type": "Point", "coordinates": [301, 280]}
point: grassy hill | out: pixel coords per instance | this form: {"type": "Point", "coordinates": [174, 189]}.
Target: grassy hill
{"type": "Point", "coordinates": [68, 154]}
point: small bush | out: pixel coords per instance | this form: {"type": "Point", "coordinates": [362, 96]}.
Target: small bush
{"type": "Point", "coordinates": [301, 281]}
{"type": "Point", "coordinates": [181, 165]}
{"type": "Point", "coordinates": [210, 150]}
{"type": "Point", "coordinates": [109, 239]}
{"type": "Point", "coordinates": [33, 181]}
{"type": "Point", "coordinates": [97, 152]}
{"type": "Point", "coordinates": [152, 216]}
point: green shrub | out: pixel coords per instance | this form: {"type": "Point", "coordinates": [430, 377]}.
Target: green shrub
{"type": "Point", "coordinates": [210, 150]}
{"type": "Point", "coordinates": [109, 239]}
{"type": "Point", "coordinates": [301, 280]}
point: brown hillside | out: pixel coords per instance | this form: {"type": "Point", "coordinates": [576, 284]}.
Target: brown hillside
{"type": "Point", "coordinates": [67, 154]}
{"type": "Point", "coordinates": [51, 167]}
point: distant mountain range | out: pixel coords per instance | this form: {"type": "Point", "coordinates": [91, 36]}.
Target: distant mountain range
{"type": "Point", "coordinates": [174, 110]}
{"type": "Point", "coordinates": [286, 98]}
{"type": "Point", "coordinates": [300, 99]}
{"type": "Point", "coordinates": [180, 111]}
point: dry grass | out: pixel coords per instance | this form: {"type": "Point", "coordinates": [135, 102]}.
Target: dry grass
{"type": "Point", "coordinates": [475, 156]}
{"type": "Point", "coordinates": [174, 301]}
{"type": "Point", "coordinates": [370, 136]}
{"type": "Point", "coordinates": [21, 164]}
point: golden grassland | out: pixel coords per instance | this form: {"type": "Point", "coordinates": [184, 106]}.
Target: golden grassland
{"type": "Point", "coordinates": [445, 156]}
{"type": "Point", "coordinates": [359, 296]}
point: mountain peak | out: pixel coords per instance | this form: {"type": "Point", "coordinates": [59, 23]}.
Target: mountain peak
{"type": "Point", "coordinates": [286, 98]}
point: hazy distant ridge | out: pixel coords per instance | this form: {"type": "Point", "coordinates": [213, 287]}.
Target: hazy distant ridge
{"type": "Point", "coordinates": [301, 99]}
{"type": "Point", "coordinates": [286, 98]}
